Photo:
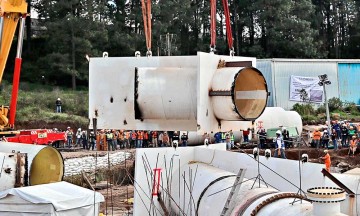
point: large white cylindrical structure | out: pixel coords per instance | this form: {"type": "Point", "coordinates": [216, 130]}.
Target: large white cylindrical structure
{"type": "Point", "coordinates": [272, 117]}
{"type": "Point", "coordinates": [45, 163]}
{"type": "Point", "coordinates": [238, 93]}
{"type": "Point", "coordinates": [12, 170]}
{"type": "Point", "coordinates": [165, 93]}
{"type": "Point", "coordinates": [209, 193]}
{"type": "Point", "coordinates": [326, 200]}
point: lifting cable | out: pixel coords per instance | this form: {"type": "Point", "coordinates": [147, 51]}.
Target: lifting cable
{"type": "Point", "coordinates": [213, 25]}
{"type": "Point", "coordinates": [146, 12]}
{"type": "Point", "coordinates": [228, 26]}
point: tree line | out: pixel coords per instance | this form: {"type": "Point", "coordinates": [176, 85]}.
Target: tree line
{"type": "Point", "coordinates": [66, 31]}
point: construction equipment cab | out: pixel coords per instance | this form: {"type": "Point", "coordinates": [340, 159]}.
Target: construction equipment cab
{"type": "Point", "coordinates": [11, 12]}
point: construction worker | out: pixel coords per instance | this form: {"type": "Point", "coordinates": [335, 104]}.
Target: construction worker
{"type": "Point", "coordinates": [232, 138]}
{"type": "Point", "coordinates": [351, 133]}
{"type": "Point", "coordinates": [175, 139]}
{"type": "Point", "coordinates": [69, 136]}
{"type": "Point", "coordinates": [115, 138]}
{"type": "Point", "coordinates": [165, 139]}
{"type": "Point", "coordinates": [217, 137]}
{"type": "Point", "coordinates": [154, 136]}
{"type": "Point", "coordinates": [84, 140]}
{"type": "Point", "coordinates": [146, 139]}
{"type": "Point", "coordinates": [325, 139]}
{"type": "Point", "coordinates": [327, 160]}
{"type": "Point", "coordinates": [184, 139]}
{"type": "Point", "coordinates": [127, 139]}
{"type": "Point", "coordinates": [109, 140]}
{"type": "Point", "coordinates": [133, 139]}
{"type": "Point", "coordinates": [140, 138]}
{"type": "Point", "coordinates": [286, 137]}
{"type": "Point", "coordinates": [262, 137]}
{"type": "Point", "coordinates": [223, 137]}
{"type": "Point", "coordinates": [353, 144]}
{"type": "Point", "coordinates": [228, 141]}
{"type": "Point", "coordinates": [344, 135]}
{"type": "Point", "coordinates": [78, 137]}
{"type": "Point", "coordinates": [58, 105]}
{"type": "Point", "coordinates": [279, 145]}
{"type": "Point", "coordinates": [334, 139]}
{"type": "Point", "coordinates": [246, 134]}
{"type": "Point", "coordinates": [92, 140]}
{"type": "Point", "coordinates": [121, 139]}
{"type": "Point", "coordinates": [316, 137]}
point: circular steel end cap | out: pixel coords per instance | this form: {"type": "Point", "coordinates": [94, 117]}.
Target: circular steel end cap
{"type": "Point", "coordinates": [326, 194]}
{"type": "Point", "coordinates": [250, 93]}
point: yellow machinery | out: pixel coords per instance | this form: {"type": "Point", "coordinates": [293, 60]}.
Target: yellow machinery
{"type": "Point", "coordinates": [11, 12]}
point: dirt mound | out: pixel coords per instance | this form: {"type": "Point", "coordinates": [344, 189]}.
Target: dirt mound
{"type": "Point", "coordinates": [47, 125]}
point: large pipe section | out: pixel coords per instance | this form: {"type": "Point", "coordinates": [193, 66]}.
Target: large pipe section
{"type": "Point", "coordinates": [45, 164]}
{"type": "Point", "coordinates": [154, 100]}
{"type": "Point", "coordinates": [206, 192]}
{"type": "Point", "coordinates": [170, 93]}
{"type": "Point", "coordinates": [272, 117]}
{"type": "Point", "coordinates": [238, 93]}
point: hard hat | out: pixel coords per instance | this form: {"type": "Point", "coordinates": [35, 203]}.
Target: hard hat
{"type": "Point", "coordinates": [325, 151]}
{"type": "Point", "coordinates": [353, 137]}
{"type": "Point", "coordinates": [325, 131]}
{"type": "Point", "coordinates": [58, 98]}
{"type": "Point", "coordinates": [68, 127]}
{"type": "Point", "coordinates": [278, 132]}
{"type": "Point", "coordinates": [284, 128]}
{"type": "Point", "coordinates": [79, 129]}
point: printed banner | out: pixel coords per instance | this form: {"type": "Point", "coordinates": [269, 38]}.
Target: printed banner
{"type": "Point", "coordinates": [314, 92]}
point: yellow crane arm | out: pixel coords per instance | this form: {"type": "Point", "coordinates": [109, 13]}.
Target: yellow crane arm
{"type": "Point", "coordinates": [10, 13]}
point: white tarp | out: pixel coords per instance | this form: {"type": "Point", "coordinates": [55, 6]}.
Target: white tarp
{"type": "Point", "coordinates": [58, 199]}
{"type": "Point", "coordinates": [309, 84]}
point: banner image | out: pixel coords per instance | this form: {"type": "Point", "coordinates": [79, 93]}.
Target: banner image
{"type": "Point", "coordinates": [298, 84]}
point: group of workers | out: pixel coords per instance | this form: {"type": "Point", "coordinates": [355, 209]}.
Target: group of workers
{"type": "Point", "coordinates": [227, 137]}
{"type": "Point", "coordinates": [125, 139]}
{"type": "Point", "coordinates": [343, 134]}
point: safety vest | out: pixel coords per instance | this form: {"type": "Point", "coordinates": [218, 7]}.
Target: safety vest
{"type": "Point", "coordinates": [223, 136]}
{"type": "Point", "coordinates": [140, 135]}
{"type": "Point", "coordinates": [146, 136]}
{"type": "Point", "coordinates": [109, 136]}
{"type": "Point", "coordinates": [352, 143]}
{"type": "Point", "coordinates": [154, 134]}
{"type": "Point", "coordinates": [69, 134]}
{"type": "Point", "coordinates": [232, 137]}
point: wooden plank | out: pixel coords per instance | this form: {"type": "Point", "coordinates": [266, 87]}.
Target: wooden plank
{"type": "Point", "coordinates": [87, 181]}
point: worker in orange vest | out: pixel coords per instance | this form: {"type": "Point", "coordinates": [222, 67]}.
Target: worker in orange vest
{"type": "Point", "coordinates": [133, 139]}
{"type": "Point", "coordinates": [146, 139]}
{"type": "Point", "coordinates": [353, 144]}
{"type": "Point", "coordinates": [140, 138]}
{"type": "Point", "coordinates": [316, 137]}
{"type": "Point", "coordinates": [154, 136]}
{"type": "Point", "coordinates": [327, 160]}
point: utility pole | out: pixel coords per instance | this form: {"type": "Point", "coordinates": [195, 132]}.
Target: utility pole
{"type": "Point", "coordinates": [323, 81]}
{"type": "Point", "coordinates": [167, 41]}
{"type": "Point", "coordinates": [168, 44]}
